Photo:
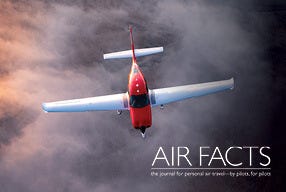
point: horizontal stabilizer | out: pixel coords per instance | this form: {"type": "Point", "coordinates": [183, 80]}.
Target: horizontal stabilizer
{"type": "Point", "coordinates": [128, 53]}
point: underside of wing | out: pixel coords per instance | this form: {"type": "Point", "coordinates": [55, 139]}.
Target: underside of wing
{"type": "Point", "coordinates": [173, 94]}
{"type": "Point", "coordinates": [101, 103]}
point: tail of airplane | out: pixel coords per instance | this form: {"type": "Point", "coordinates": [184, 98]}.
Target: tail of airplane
{"type": "Point", "coordinates": [133, 53]}
{"type": "Point", "coordinates": [132, 45]}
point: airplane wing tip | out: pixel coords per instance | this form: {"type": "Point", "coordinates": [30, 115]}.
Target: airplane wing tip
{"type": "Point", "coordinates": [44, 107]}
{"type": "Point", "coordinates": [232, 83]}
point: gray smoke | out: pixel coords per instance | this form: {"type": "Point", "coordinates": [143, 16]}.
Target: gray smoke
{"type": "Point", "coordinates": [52, 50]}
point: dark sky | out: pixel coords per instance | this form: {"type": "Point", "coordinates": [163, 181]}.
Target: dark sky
{"type": "Point", "coordinates": [52, 50]}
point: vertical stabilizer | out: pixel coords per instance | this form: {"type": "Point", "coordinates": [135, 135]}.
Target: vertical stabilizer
{"type": "Point", "coordinates": [132, 46]}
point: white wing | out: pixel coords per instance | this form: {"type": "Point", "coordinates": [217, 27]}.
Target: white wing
{"type": "Point", "coordinates": [172, 94]}
{"type": "Point", "coordinates": [103, 103]}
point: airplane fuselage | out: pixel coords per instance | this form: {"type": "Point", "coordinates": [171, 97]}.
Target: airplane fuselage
{"type": "Point", "coordinates": [139, 103]}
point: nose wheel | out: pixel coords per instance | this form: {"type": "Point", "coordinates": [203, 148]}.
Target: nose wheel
{"type": "Point", "coordinates": [142, 130]}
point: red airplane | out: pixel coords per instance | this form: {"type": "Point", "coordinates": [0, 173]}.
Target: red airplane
{"type": "Point", "coordinates": [139, 100]}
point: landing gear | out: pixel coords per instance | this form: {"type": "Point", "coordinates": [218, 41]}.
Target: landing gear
{"type": "Point", "coordinates": [143, 129]}
{"type": "Point", "coordinates": [119, 112]}
{"type": "Point", "coordinates": [161, 107]}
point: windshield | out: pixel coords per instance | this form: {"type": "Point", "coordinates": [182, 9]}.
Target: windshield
{"type": "Point", "coordinates": [138, 101]}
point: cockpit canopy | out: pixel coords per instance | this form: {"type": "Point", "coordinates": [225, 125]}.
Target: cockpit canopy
{"type": "Point", "coordinates": [138, 101]}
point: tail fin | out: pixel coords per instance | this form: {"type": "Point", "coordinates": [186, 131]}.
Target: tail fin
{"type": "Point", "coordinates": [132, 45]}
{"type": "Point", "coordinates": [133, 53]}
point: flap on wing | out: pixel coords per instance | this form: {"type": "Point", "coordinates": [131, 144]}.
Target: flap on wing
{"type": "Point", "coordinates": [101, 103]}
{"type": "Point", "coordinates": [172, 94]}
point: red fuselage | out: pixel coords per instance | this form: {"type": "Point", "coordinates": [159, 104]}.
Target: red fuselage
{"type": "Point", "coordinates": [139, 103]}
